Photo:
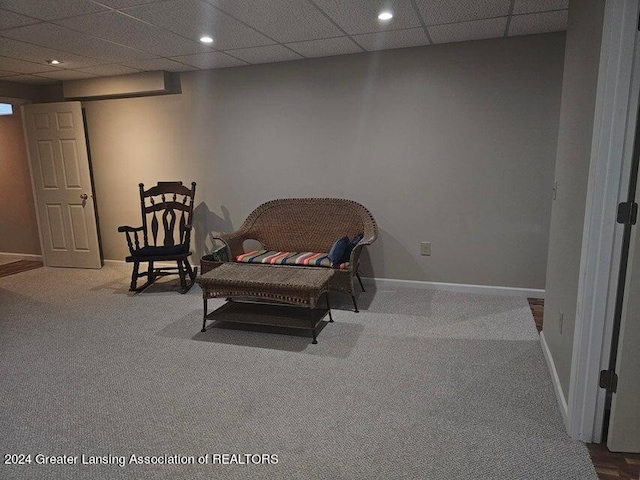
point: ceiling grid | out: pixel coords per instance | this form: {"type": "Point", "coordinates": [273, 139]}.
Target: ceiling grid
{"type": "Point", "coordinates": [94, 38]}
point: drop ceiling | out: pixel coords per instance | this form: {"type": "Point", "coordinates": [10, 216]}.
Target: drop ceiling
{"type": "Point", "coordinates": [117, 37]}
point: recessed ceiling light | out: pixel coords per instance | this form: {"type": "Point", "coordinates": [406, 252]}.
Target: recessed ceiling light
{"type": "Point", "coordinates": [206, 39]}
{"type": "Point", "coordinates": [53, 62]}
{"type": "Point", "coordinates": [385, 15]}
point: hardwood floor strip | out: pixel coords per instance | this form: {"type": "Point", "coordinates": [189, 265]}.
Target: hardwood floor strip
{"type": "Point", "coordinates": [537, 309]}
{"type": "Point", "coordinates": [624, 466]}
{"type": "Point", "coordinates": [608, 465]}
{"type": "Point", "coordinates": [18, 266]}
{"type": "Point", "coordinates": [609, 472]}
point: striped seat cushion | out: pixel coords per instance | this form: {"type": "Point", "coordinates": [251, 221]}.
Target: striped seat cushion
{"type": "Point", "coordinates": [289, 258]}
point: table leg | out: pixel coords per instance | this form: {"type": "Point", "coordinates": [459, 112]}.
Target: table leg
{"type": "Point", "coordinates": [313, 327]}
{"type": "Point", "coordinates": [355, 305]}
{"type": "Point", "coordinates": [329, 308]}
{"type": "Point", "coordinates": [204, 315]}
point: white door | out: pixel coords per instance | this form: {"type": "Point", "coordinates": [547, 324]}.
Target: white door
{"type": "Point", "coordinates": [624, 424]}
{"type": "Point", "coordinates": [62, 184]}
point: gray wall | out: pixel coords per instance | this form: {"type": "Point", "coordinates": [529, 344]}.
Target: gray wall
{"type": "Point", "coordinates": [453, 144]}
{"type": "Point", "coordinates": [582, 56]}
{"type": "Point", "coordinates": [18, 224]}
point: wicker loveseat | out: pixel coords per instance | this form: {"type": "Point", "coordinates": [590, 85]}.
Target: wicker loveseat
{"type": "Point", "coordinates": [301, 231]}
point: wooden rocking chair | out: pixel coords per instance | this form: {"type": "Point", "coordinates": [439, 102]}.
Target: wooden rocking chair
{"type": "Point", "coordinates": [160, 204]}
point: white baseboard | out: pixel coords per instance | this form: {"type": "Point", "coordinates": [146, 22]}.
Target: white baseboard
{"type": "Point", "coordinates": [114, 262]}
{"type": "Point", "coordinates": [22, 256]}
{"type": "Point", "coordinates": [456, 287]}
{"type": "Point", "coordinates": [451, 287]}
{"type": "Point", "coordinates": [557, 387]}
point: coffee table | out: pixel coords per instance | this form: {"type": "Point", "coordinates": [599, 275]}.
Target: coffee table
{"type": "Point", "coordinates": [275, 295]}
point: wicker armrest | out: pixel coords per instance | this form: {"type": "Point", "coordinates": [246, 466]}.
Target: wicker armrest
{"type": "Point", "coordinates": [354, 258]}
{"type": "Point", "coordinates": [233, 241]}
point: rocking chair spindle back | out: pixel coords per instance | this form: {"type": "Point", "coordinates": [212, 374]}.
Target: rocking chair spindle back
{"type": "Point", "coordinates": [166, 211]}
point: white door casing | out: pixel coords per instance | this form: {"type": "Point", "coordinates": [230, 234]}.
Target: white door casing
{"type": "Point", "coordinates": [61, 180]}
{"type": "Point", "coordinates": [614, 127]}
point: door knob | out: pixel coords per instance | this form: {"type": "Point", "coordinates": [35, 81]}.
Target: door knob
{"type": "Point", "coordinates": [84, 196]}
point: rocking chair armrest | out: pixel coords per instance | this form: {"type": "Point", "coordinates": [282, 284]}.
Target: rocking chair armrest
{"type": "Point", "coordinates": [134, 243]}
{"type": "Point", "coordinates": [128, 229]}
{"type": "Point", "coordinates": [186, 239]}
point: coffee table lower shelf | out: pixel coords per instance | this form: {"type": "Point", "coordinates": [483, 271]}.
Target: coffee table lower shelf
{"type": "Point", "coordinates": [268, 314]}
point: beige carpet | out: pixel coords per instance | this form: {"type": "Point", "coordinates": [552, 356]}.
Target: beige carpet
{"type": "Point", "coordinates": [419, 385]}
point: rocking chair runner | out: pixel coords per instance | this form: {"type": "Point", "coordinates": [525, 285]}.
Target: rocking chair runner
{"type": "Point", "coordinates": [162, 204]}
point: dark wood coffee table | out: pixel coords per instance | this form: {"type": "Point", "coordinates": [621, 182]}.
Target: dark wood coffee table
{"type": "Point", "coordinates": [275, 295]}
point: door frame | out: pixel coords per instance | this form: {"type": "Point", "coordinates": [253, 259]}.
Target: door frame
{"type": "Point", "coordinates": [23, 113]}
{"type": "Point", "coordinates": [612, 145]}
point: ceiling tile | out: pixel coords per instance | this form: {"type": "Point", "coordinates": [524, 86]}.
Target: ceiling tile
{"type": "Point", "coordinates": [531, 6]}
{"type": "Point", "coordinates": [122, 29]}
{"type": "Point", "coordinates": [361, 16]}
{"type": "Point", "coordinates": [108, 70]}
{"type": "Point", "coordinates": [195, 18]}
{"type": "Point", "coordinates": [210, 60]}
{"type": "Point", "coordinates": [55, 36]}
{"type": "Point", "coordinates": [460, 32]}
{"type": "Point", "coordinates": [20, 66]}
{"type": "Point", "coordinates": [52, 10]}
{"type": "Point", "coordinates": [436, 12]}
{"type": "Point", "coordinates": [30, 79]}
{"type": "Point", "coordinates": [91, 38]}
{"type": "Point", "coordinates": [9, 19]}
{"type": "Point", "coordinates": [35, 53]}
{"type": "Point", "coordinates": [538, 23]}
{"type": "Point", "coordinates": [282, 20]}
{"type": "Point", "coordinates": [325, 47]}
{"type": "Point", "coordinates": [268, 54]}
{"type": "Point", "coordinates": [412, 37]}
{"type": "Point", "coordinates": [66, 75]}
{"type": "Point", "coordinates": [155, 64]}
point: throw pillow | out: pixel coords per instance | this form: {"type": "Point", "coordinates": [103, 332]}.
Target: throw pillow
{"type": "Point", "coordinates": [351, 246]}
{"type": "Point", "coordinates": [336, 254]}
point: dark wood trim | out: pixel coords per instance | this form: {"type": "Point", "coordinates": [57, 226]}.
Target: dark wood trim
{"type": "Point", "coordinates": [18, 267]}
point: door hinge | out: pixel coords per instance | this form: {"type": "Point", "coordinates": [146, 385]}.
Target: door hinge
{"type": "Point", "coordinates": [609, 380]}
{"type": "Point", "coordinates": [627, 213]}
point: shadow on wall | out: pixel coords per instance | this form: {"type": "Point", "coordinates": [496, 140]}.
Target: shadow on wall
{"type": "Point", "coordinates": [388, 253]}
{"type": "Point", "coordinates": [366, 267]}
{"type": "Point", "coordinates": [205, 225]}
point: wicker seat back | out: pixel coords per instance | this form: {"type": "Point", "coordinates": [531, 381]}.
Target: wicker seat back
{"type": "Point", "coordinates": [308, 225]}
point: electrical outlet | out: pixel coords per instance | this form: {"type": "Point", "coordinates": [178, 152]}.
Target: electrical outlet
{"type": "Point", "coordinates": [425, 248]}
{"type": "Point", "coordinates": [561, 322]}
